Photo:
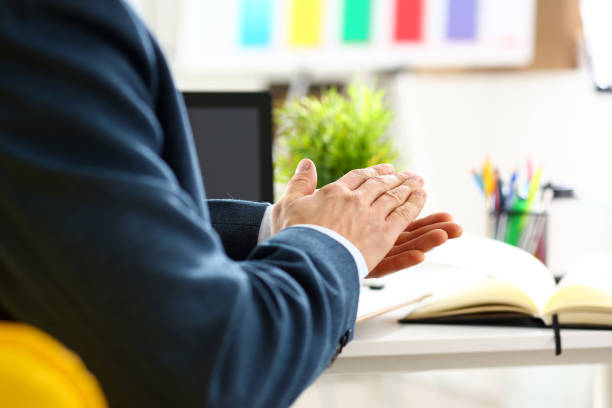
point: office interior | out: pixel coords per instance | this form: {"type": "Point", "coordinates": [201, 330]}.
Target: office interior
{"type": "Point", "coordinates": [542, 96]}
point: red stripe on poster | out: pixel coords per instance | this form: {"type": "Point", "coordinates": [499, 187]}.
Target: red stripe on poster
{"type": "Point", "coordinates": [408, 20]}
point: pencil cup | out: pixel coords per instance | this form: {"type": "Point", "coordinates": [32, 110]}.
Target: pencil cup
{"type": "Point", "coordinates": [526, 230]}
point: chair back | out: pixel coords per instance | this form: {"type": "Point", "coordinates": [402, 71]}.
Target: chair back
{"type": "Point", "coordinates": [38, 371]}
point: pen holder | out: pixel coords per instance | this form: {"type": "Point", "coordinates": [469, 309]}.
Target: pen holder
{"type": "Point", "coordinates": [526, 230]}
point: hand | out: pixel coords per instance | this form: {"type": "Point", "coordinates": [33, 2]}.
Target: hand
{"type": "Point", "coordinates": [421, 236]}
{"type": "Point", "coordinates": [369, 207]}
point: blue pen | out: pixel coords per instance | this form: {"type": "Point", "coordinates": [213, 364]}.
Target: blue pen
{"type": "Point", "coordinates": [511, 186]}
{"type": "Point", "coordinates": [511, 190]}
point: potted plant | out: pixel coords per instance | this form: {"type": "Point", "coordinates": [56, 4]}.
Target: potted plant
{"type": "Point", "coordinates": [338, 132]}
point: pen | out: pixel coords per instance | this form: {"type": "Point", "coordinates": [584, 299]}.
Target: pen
{"type": "Point", "coordinates": [529, 170]}
{"type": "Point", "coordinates": [533, 188]}
{"type": "Point", "coordinates": [541, 210]}
{"type": "Point", "coordinates": [488, 179]}
{"type": "Point", "coordinates": [478, 179]}
{"type": "Point", "coordinates": [514, 229]}
{"type": "Point", "coordinates": [374, 284]}
{"type": "Point", "coordinates": [500, 192]}
{"type": "Point", "coordinates": [511, 187]}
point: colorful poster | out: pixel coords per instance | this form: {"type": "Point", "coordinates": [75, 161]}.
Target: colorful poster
{"type": "Point", "coordinates": [256, 22]}
{"type": "Point", "coordinates": [306, 23]}
{"type": "Point", "coordinates": [357, 17]}
{"type": "Point", "coordinates": [462, 19]}
{"type": "Point", "coordinates": [408, 20]}
{"type": "Point", "coordinates": [321, 37]}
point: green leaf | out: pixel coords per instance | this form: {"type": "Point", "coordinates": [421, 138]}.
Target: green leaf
{"type": "Point", "coordinates": [338, 132]}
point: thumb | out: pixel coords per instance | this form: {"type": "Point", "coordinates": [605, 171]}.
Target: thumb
{"type": "Point", "coordinates": [304, 181]}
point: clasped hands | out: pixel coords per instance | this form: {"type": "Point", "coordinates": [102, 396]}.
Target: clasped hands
{"type": "Point", "coordinates": [374, 208]}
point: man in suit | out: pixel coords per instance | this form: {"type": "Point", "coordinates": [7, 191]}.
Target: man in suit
{"type": "Point", "coordinates": [107, 241]}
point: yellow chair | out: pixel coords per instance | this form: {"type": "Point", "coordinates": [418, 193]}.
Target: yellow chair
{"type": "Point", "coordinates": [37, 371]}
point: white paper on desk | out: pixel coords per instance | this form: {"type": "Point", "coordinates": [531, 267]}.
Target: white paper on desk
{"type": "Point", "coordinates": [398, 290]}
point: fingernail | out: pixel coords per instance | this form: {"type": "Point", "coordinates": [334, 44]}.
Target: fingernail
{"type": "Point", "coordinates": [303, 166]}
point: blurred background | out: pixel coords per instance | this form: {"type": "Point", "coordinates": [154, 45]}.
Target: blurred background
{"type": "Point", "coordinates": [512, 81]}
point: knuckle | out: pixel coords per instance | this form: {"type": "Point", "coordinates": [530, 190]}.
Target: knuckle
{"type": "Point", "coordinates": [401, 177]}
{"type": "Point", "coordinates": [413, 184]}
{"type": "Point", "coordinates": [361, 173]}
{"type": "Point", "coordinates": [412, 176]}
{"type": "Point", "coordinates": [405, 189]}
{"type": "Point", "coordinates": [332, 189]}
{"type": "Point", "coordinates": [383, 168]}
{"type": "Point", "coordinates": [378, 179]}
{"type": "Point", "coordinates": [395, 195]}
{"type": "Point", "coordinates": [406, 211]}
{"type": "Point", "coordinates": [354, 198]}
{"type": "Point", "coordinates": [369, 172]}
{"type": "Point", "coordinates": [299, 181]}
{"type": "Point", "coordinates": [419, 194]}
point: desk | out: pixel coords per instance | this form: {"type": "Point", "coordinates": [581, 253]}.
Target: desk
{"type": "Point", "coordinates": [383, 345]}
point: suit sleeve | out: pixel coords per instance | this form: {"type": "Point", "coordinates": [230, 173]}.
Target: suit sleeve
{"type": "Point", "coordinates": [102, 246]}
{"type": "Point", "coordinates": [237, 223]}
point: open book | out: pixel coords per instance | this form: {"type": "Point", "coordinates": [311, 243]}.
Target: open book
{"type": "Point", "coordinates": [479, 278]}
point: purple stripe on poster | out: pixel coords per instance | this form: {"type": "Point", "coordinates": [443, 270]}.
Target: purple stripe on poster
{"type": "Point", "coordinates": [462, 19]}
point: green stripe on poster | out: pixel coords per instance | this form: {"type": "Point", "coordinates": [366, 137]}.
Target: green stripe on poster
{"type": "Point", "coordinates": [357, 15]}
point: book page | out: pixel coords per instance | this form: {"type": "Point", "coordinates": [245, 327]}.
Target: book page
{"type": "Point", "coordinates": [587, 287]}
{"type": "Point", "coordinates": [585, 318]}
{"type": "Point", "coordinates": [487, 294]}
{"type": "Point", "coordinates": [478, 264]}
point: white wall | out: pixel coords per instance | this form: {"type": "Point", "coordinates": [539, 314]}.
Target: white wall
{"type": "Point", "coordinates": [448, 123]}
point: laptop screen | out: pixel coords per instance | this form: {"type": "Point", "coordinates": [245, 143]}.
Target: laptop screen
{"type": "Point", "coordinates": [232, 133]}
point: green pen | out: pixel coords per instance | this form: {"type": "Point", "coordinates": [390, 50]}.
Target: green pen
{"type": "Point", "coordinates": [515, 217]}
{"type": "Point", "coordinates": [518, 215]}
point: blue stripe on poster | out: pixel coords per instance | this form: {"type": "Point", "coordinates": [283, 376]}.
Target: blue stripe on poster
{"type": "Point", "coordinates": [462, 19]}
{"type": "Point", "coordinates": [256, 22]}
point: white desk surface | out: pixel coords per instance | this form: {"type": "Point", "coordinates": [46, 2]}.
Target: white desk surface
{"type": "Point", "coordinates": [384, 345]}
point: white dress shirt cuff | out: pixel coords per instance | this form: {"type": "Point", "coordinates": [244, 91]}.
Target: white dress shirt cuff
{"type": "Point", "coordinates": [265, 233]}
{"type": "Point", "coordinates": [265, 229]}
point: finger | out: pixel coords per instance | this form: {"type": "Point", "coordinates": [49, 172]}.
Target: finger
{"type": "Point", "coordinates": [430, 219]}
{"type": "Point", "coordinates": [304, 181]}
{"type": "Point", "coordinates": [410, 174]}
{"type": "Point", "coordinates": [357, 177]}
{"type": "Point", "coordinates": [391, 199]}
{"type": "Point", "coordinates": [396, 263]}
{"type": "Point", "coordinates": [403, 215]}
{"type": "Point", "coordinates": [452, 230]}
{"type": "Point", "coordinates": [423, 243]}
{"type": "Point", "coordinates": [375, 186]}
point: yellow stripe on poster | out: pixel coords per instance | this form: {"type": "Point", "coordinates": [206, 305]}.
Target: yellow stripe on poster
{"type": "Point", "coordinates": [306, 23]}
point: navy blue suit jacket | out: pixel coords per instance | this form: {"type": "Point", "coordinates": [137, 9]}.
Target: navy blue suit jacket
{"type": "Point", "coordinates": [107, 241]}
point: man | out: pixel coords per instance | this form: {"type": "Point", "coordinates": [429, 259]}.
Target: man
{"type": "Point", "coordinates": [108, 244]}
